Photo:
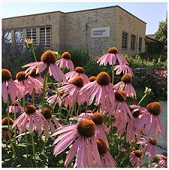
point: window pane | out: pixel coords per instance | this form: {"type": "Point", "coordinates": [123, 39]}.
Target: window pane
{"type": "Point", "coordinates": [140, 44]}
{"type": "Point", "coordinates": [133, 42]}
{"type": "Point", "coordinates": [8, 37]}
{"type": "Point", "coordinates": [31, 34]}
{"type": "Point", "coordinates": [45, 36]}
{"type": "Point", "coordinates": [19, 36]}
{"type": "Point", "coordinates": [124, 40]}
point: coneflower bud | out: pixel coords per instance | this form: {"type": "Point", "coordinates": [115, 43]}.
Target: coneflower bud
{"type": "Point", "coordinates": [97, 118]}
{"type": "Point", "coordinates": [127, 78]}
{"type": "Point", "coordinates": [102, 146]}
{"type": "Point", "coordinates": [78, 81]}
{"type": "Point", "coordinates": [6, 75]}
{"type": "Point", "coordinates": [103, 79]}
{"type": "Point", "coordinates": [34, 74]}
{"type": "Point", "coordinates": [86, 128]}
{"type": "Point", "coordinates": [30, 109]}
{"type": "Point", "coordinates": [138, 153]}
{"type": "Point", "coordinates": [21, 76]}
{"type": "Point", "coordinates": [152, 141]}
{"type": "Point", "coordinates": [46, 113]}
{"type": "Point", "coordinates": [120, 95]}
{"type": "Point", "coordinates": [112, 50]}
{"type": "Point", "coordinates": [66, 55]}
{"type": "Point", "coordinates": [92, 78]}
{"type": "Point", "coordinates": [5, 121]}
{"type": "Point", "coordinates": [48, 57]}
{"type": "Point", "coordinates": [154, 108]}
{"type": "Point", "coordinates": [79, 69]}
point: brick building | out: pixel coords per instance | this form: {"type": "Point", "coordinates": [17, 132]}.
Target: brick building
{"type": "Point", "coordinates": [94, 29]}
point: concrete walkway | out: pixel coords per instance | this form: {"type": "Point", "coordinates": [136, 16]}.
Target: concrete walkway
{"type": "Point", "coordinates": [162, 141]}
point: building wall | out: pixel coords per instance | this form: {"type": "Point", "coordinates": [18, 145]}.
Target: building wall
{"type": "Point", "coordinates": [73, 30]}
{"type": "Point", "coordinates": [132, 25]}
{"type": "Point", "coordinates": [79, 36]}
{"type": "Point", "coordinates": [37, 21]}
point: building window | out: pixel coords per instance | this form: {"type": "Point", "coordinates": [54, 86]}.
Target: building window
{"type": "Point", "coordinates": [45, 35]}
{"type": "Point", "coordinates": [7, 36]}
{"type": "Point", "coordinates": [133, 42]}
{"type": "Point", "coordinates": [31, 34]}
{"type": "Point", "coordinates": [140, 44]}
{"type": "Point", "coordinates": [124, 40]}
{"type": "Point", "coordinates": [19, 36]}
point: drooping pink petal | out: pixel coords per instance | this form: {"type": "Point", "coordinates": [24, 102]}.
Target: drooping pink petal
{"type": "Point", "coordinates": [46, 130]}
{"type": "Point", "coordinates": [4, 92]}
{"type": "Point", "coordinates": [62, 145]}
{"type": "Point", "coordinates": [161, 129]}
{"type": "Point", "coordinates": [52, 127]}
{"type": "Point", "coordinates": [63, 136]}
{"type": "Point", "coordinates": [72, 152]}
{"type": "Point", "coordinates": [24, 123]}
{"type": "Point", "coordinates": [56, 122]}
{"type": "Point", "coordinates": [95, 150]}
{"type": "Point", "coordinates": [30, 123]}
{"type": "Point", "coordinates": [80, 154]}
{"type": "Point", "coordinates": [37, 124]}
{"type": "Point", "coordinates": [19, 119]}
{"type": "Point", "coordinates": [64, 129]}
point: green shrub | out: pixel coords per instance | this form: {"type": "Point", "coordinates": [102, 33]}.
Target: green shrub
{"type": "Point", "coordinates": [79, 56]}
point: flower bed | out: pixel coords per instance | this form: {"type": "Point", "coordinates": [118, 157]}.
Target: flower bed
{"type": "Point", "coordinates": [57, 116]}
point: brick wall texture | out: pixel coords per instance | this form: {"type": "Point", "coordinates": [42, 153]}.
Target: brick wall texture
{"type": "Point", "coordinates": [72, 30]}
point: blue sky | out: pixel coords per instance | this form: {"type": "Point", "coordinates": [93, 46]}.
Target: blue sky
{"type": "Point", "coordinates": [150, 12]}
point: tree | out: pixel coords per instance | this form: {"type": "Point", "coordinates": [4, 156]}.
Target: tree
{"type": "Point", "coordinates": [161, 34]}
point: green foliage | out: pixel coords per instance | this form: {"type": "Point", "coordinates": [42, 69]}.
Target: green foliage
{"type": "Point", "coordinates": [161, 34]}
{"type": "Point", "coordinates": [79, 56]}
{"type": "Point", "coordinates": [146, 61]}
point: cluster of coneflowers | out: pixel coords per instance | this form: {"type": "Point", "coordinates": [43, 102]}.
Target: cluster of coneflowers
{"type": "Point", "coordinates": [86, 131]}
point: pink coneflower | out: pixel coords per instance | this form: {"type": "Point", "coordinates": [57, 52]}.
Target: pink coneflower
{"type": "Point", "coordinates": [98, 90]}
{"type": "Point", "coordinates": [7, 133]}
{"type": "Point", "coordinates": [149, 145]}
{"type": "Point", "coordinates": [106, 158]}
{"type": "Point", "coordinates": [133, 132]}
{"type": "Point", "coordinates": [51, 122]}
{"type": "Point", "coordinates": [59, 99]}
{"type": "Point", "coordinates": [121, 107]}
{"type": "Point", "coordinates": [92, 78]}
{"type": "Point", "coordinates": [48, 60]}
{"type": "Point", "coordinates": [79, 71]}
{"type": "Point", "coordinates": [85, 147]}
{"type": "Point", "coordinates": [135, 158]}
{"type": "Point", "coordinates": [15, 108]}
{"type": "Point", "coordinates": [101, 128]}
{"type": "Point", "coordinates": [86, 115]}
{"type": "Point", "coordinates": [123, 68]}
{"type": "Point", "coordinates": [11, 87]}
{"type": "Point", "coordinates": [65, 61]}
{"type": "Point", "coordinates": [150, 121]}
{"type": "Point", "coordinates": [30, 119]}
{"type": "Point", "coordinates": [72, 88]}
{"type": "Point", "coordinates": [98, 119]}
{"type": "Point", "coordinates": [160, 161]}
{"type": "Point", "coordinates": [111, 56]}
{"type": "Point", "coordinates": [7, 120]}
{"type": "Point", "coordinates": [36, 76]}
{"type": "Point", "coordinates": [126, 85]}
{"type": "Point", "coordinates": [31, 85]}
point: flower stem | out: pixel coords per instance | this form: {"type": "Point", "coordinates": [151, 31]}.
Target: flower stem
{"type": "Point", "coordinates": [33, 149]}
{"type": "Point", "coordinates": [142, 99]}
{"type": "Point", "coordinates": [44, 87]}
{"type": "Point", "coordinates": [112, 74]}
{"type": "Point", "coordinates": [33, 52]}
